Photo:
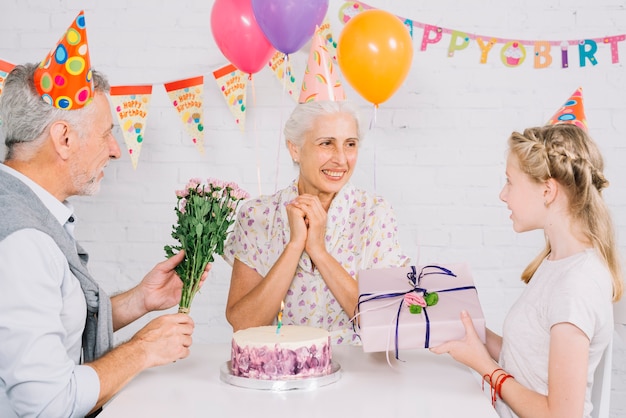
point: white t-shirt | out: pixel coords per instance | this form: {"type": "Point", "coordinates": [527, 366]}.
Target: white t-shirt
{"type": "Point", "coordinates": [577, 290]}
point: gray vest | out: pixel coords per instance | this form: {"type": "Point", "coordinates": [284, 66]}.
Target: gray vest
{"type": "Point", "coordinates": [20, 208]}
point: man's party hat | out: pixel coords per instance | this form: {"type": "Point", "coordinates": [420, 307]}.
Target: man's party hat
{"type": "Point", "coordinates": [64, 77]}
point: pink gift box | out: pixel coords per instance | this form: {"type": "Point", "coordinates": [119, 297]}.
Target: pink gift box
{"type": "Point", "coordinates": [382, 311]}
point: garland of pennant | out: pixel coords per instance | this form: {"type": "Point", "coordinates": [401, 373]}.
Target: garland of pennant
{"type": "Point", "coordinates": [131, 103]}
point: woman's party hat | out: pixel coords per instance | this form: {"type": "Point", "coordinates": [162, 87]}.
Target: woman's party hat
{"type": "Point", "coordinates": [321, 80]}
{"type": "Point", "coordinates": [64, 78]}
{"type": "Point", "coordinates": [572, 112]}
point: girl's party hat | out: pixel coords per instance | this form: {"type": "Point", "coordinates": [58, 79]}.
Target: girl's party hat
{"type": "Point", "coordinates": [321, 80]}
{"type": "Point", "coordinates": [572, 112]}
{"type": "Point", "coordinates": [64, 78]}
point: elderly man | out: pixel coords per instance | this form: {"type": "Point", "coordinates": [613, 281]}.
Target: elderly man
{"type": "Point", "coordinates": [56, 325]}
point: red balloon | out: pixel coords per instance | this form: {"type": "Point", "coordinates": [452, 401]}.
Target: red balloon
{"type": "Point", "coordinates": [239, 36]}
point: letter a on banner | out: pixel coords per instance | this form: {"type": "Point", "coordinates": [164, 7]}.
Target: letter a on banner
{"type": "Point", "coordinates": [232, 83]}
{"type": "Point", "coordinates": [131, 107]}
{"type": "Point", "coordinates": [186, 97]}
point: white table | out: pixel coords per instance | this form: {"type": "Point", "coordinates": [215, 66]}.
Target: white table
{"type": "Point", "coordinates": [424, 385]}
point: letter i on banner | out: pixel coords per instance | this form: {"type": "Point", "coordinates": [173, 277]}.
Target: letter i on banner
{"type": "Point", "coordinates": [281, 67]}
{"type": "Point", "coordinates": [5, 69]}
{"type": "Point", "coordinates": [232, 83]}
{"type": "Point", "coordinates": [131, 107]}
{"type": "Point", "coordinates": [186, 97]}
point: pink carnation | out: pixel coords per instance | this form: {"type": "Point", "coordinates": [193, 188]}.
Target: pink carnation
{"type": "Point", "coordinates": [414, 299]}
{"type": "Point", "coordinates": [216, 183]}
{"type": "Point", "coordinates": [193, 183]}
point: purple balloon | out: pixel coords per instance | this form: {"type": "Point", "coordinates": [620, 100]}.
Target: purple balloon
{"type": "Point", "coordinates": [289, 24]}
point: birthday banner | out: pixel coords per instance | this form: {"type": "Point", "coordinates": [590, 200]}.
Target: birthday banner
{"type": "Point", "coordinates": [5, 69]}
{"type": "Point", "coordinates": [132, 102]}
{"type": "Point", "coordinates": [131, 105]}
{"type": "Point", "coordinates": [232, 83]}
{"type": "Point", "coordinates": [282, 68]}
{"type": "Point", "coordinates": [186, 96]}
{"type": "Point", "coordinates": [512, 52]}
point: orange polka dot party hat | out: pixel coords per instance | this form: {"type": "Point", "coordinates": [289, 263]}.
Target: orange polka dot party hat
{"type": "Point", "coordinates": [64, 78]}
{"type": "Point", "coordinates": [572, 112]}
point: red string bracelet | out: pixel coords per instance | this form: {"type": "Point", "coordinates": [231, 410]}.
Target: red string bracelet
{"type": "Point", "coordinates": [489, 376]}
{"type": "Point", "coordinates": [499, 385]}
{"type": "Point", "coordinates": [494, 394]}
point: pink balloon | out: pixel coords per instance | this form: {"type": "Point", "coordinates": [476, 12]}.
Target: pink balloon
{"type": "Point", "coordinates": [239, 36]}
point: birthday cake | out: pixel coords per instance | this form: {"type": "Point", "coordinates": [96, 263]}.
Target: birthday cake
{"type": "Point", "coordinates": [293, 352]}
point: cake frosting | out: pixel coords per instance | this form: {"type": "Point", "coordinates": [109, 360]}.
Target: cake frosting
{"type": "Point", "coordinates": [294, 352]}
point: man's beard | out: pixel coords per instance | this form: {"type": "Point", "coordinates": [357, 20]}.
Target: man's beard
{"type": "Point", "coordinates": [85, 184]}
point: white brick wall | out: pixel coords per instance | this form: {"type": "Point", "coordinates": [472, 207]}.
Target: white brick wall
{"type": "Point", "coordinates": [436, 150]}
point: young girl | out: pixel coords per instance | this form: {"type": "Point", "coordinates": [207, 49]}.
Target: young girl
{"type": "Point", "coordinates": [555, 334]}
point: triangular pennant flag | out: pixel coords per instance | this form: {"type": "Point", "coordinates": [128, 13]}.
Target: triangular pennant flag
{"type": "Point", "coordinates": [331, 42]}
{"type": "Point", "coordinates": [232, 83]}
{"type": "Point", "coordinates": [572, 112]}
{"type": "Point", "coordinates": [321, 80]}
{"type": "Point", "coordinates": [64, 79]}
{"type": "Point", "coordinates": [186, 96]}
{"type": "Point", "coordinates": [282, 68]}
{"type": "Point", "coordinates": [5, 69]}
{"type": "Point", "coordinates": [131, 107]}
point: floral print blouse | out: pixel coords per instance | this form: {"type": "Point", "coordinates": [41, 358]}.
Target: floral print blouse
{"type": "Point", "coordinates": [361, 233]}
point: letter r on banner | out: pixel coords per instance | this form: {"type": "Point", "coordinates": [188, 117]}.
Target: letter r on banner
{"type": "Point", "coordinates": [587, 53]}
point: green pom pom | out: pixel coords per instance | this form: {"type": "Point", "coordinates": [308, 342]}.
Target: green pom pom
{"type": "Point", "coordinates": [415, 309]}
{"type": "Point", "coordinates": [431, 298]}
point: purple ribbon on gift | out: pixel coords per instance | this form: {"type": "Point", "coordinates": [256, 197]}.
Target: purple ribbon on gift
{"type": "Point", "coordinates": [414, 282]}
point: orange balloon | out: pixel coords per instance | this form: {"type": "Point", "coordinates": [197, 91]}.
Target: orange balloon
{"type": "Point", "coordinates": [374, 52]}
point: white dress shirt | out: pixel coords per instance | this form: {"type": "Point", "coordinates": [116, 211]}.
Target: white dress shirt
{"type": "Point", "coordinates": [42, 317]}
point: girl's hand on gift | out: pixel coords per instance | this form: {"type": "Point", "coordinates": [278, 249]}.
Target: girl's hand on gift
{"type": "Point", "coordinates": [470, 350]}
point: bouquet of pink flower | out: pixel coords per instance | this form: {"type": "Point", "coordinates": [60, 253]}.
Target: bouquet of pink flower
{"type": "Point", "coordinates": [205, 212]}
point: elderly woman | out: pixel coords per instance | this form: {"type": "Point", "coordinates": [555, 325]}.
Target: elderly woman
{"type": "Point", "coordinates": [305, 244]}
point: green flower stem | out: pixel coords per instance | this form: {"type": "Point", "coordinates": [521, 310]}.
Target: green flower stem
{"type": "Point", "coordinates": [204, 217]}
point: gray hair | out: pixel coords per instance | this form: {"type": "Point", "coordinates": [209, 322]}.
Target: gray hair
{"type": "Point", "coordinates": [25, 115]}
{"type": "Point", "coordinates": [304, 115]}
